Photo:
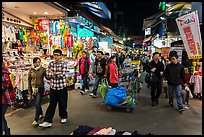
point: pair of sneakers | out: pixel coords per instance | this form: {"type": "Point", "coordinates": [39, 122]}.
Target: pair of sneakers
{"type": "Point", "coordinates": [92, 94]}
{"type": "Point", "coordinates": [83, 92]}
{"type": "Point", "coordinates": [35, 122]}
{"type": "Point", "coordinates": [48, 124]}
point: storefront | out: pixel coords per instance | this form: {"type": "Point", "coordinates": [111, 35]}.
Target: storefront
{"type": "Point", "coordinates": [34, 29]}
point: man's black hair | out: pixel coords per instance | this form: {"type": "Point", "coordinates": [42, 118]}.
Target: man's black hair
{"type": "Point", "coordinates": [57, 51]}
{"type": "Point", "coordinates": [36, 59]}
{"type": "Point", "coordinates": [155, 53]}
{"type": "Point", "coordinates": [107, 54]}
{"type": "Point", "coordinates": [173, 54]}
{"type": "Point", "coordinates": [100, 52]}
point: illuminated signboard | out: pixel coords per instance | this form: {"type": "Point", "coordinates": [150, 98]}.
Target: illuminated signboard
{"type": "Point", "coordinates": [84, 32]}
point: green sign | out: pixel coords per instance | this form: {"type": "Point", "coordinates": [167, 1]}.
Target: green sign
{"type": "Point", "coordinates": [162, 6]}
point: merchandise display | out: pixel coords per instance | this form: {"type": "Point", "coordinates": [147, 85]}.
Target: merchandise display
{"type": "Point", "coordinates": [88, 130]}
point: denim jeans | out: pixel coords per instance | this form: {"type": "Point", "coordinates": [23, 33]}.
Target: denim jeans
{"type": "Point", "coordinates": [25, 97]}
{"type": "Point", "coordinates": [38, 100]}
{"type": "Point", "coordinates": [178, 90]}
{"type": "Point", "coordinates": [4, 122]}
{"type": "Point", "coordinates": [85, 82]}
{"type": "Point", "coordinates": [97, 81]}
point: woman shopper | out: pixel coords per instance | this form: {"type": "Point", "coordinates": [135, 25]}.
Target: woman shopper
{"type": "Point", "coordinates": [84, 70]}
{"type": "Point", "coordinates": [8, 97]}
{"type": "Point", "coordinates": [36, 85]}
{"type": "Point", "coordinates": [113, 72]}
{"type": "Point", "coordinates": [164, 81]}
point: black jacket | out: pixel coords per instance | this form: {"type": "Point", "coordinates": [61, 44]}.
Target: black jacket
{"type": "Point", "coordinates": [159, 68]}
{"type": "Point", "coordinates": [174, 74]}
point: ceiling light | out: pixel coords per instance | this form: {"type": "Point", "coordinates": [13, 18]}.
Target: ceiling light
{"type": "Point", "coordinates": [168, 5]}
{"type": "Point", "coordinates": [34, 13]}
{"type": "Point", "coordinates": [45, 13]}
{"type": "Point", "coordinates": [162, 18]}
{"type": "Point", "coordinates": [68, 9]}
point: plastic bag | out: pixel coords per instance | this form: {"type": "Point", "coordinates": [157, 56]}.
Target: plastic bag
{"type": "Point", "coordinates": [103, 88]}
{"type": "Point", "coordinates": [115, 96]}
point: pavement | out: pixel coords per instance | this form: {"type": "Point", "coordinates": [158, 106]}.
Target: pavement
{"type": "Point", "coordinates": [85, 110]}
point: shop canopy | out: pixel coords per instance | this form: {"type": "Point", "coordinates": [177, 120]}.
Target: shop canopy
{"type": "Point", "coordinates": [152, 20]}
{"type": "Point", "coordinates": [115, 37]}
{"type": "Point", "coordinates": [26, 11]}
{"type": "Point", "coordinates": [177, 9]}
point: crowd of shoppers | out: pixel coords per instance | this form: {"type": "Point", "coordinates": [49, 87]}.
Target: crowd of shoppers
{"type": "Point", "coordinates": [169, 73]}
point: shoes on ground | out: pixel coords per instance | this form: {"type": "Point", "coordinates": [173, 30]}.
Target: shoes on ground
{"type": "Point", "coordinates": [41, 116]}
{"type": "Point", "coordinates": [35, 123]}
{"type": "Point", "coordinates": [153, 103]}
{"type": "Point", "coordinates": [181, 109]}
{"type": "Point", "coordinates": [82, 92]}
{"type": "Point", "coordinates": [171, 104]}
{"type": "Point", "coordinates": [45, 124]}
{"type": "Point", "coordinates": [64, 120]}
{"type": "Point", "coordinates": [92, 94]}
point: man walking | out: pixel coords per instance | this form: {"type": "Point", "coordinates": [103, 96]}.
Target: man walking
{"type": "Point", "coordinates": [99, 72]}
{"type": "Point", "coordinates": [174, 74]}
{"type": "Point", "coordinates": [56, 73]}
{"type": "Point", "coordinates": [156, 67]}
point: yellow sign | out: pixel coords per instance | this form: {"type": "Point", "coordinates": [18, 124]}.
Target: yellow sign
{"type": "Point", "coordinates": [195, 57]}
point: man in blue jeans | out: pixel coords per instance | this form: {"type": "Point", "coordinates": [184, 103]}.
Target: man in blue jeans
{"type": "Point", "coordinates": [175, 73]}
{"type": "Point", "coordinates": [99, 72]}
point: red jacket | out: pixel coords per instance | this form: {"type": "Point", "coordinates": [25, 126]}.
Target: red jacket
{"type": "Point", "coordinates": [8, 94]}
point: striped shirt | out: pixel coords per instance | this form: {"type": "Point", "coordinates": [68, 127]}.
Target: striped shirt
{"type": "Point", "coordinates": [57, 82]}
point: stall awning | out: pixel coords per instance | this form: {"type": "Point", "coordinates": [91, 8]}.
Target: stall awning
{"type": "Point", "coordinates": [97, 8]}
{"type": "Point", "coordinates": [148, 38]}
{"type": "Point", "coordinates": [111, 33]}
{"type": "Point", "coordinates": [152, 20]}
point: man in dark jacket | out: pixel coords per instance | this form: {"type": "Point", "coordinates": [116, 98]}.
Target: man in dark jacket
{"type": "Point", "coordinates": [174, 74]}
{"type": "Point", "coordinates": [156, 67]}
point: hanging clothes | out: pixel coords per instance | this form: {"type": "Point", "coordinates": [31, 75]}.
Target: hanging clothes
{"type": "Point", "coordinates": [3, 33]}
{"type": "Point", "coordinates": [51, 27]}
{"type": "Point", "coordinates": [21, 34]}
{"type": "Point", "coordinates": [71, 41]}
{"type": "Point", "coordinates": [61, 41]}
{"type": "Point", "coordinates": [56, 27]}
{"type": "Point", "coordinates": [17, 33]}
{"type": "Point", "coordinates": [51, 40]}
{"type": "Point", "coordinates": [62, 25]}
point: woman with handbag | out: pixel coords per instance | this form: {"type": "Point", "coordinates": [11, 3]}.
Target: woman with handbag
{"type": "Point", "coordinates": [164, 81]}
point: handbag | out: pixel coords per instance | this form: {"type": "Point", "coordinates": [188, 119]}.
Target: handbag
{"type": "Point", "coordinates": [151, 78]}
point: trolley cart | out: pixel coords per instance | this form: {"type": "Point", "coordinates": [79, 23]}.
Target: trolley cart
{"type": "Point", "coordinates": [128, 104]}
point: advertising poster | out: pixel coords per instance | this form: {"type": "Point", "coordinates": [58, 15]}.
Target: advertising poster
{"type": "Point", "coordinates": [190, 33]}
{"type": "Point", "coordinates": [165, 52]}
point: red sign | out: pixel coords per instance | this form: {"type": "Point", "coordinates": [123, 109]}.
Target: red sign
{"type": "Point", "coordinates": [189, 38]}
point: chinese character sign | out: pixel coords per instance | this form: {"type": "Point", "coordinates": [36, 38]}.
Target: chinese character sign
{"type": "Point", "coordinates": [190, 33]}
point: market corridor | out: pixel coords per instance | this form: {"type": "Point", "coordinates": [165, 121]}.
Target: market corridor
{"type": "Point", "coordinates": [84, 110]}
